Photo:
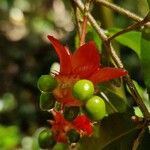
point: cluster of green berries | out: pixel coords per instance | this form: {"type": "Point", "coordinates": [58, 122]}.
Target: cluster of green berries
{"type": "Point", "coordinates": [82, 90]}
{"type": "Point", "coordinates": [94, 105]}
{"type": "Point", "coordinates": [46, 85]}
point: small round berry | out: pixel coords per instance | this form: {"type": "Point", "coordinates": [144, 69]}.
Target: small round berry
{"type": "Point", "coordinates": [46, 83]}
{"type": "Point", "coordinates": [47, 101]}
{"type": "Point", "coordinates": [70, 113]}
{"type": "Point", "coordinates": [83, 89]}
{"type": "Point", "coordinates": [46, 139]}
{"type": "Point", "coordinates": [95, 107]}
{"type": "Point", "coordinates": [73, 136]}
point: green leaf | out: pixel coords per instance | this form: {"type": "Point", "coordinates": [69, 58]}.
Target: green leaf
{"type": "Point", "coordinates": [145, 56]}
{"type": "Point", "coordinates": [138, 112]}
{"type": "Point", "coordinates": [117, 101]}
{"type": "Point", "coordinates": [145, 144]}
{"type": "Point", "coordinates": [114, 101]}
{"type": "Point", "coordinates": [115, 132]}
{"type": "Point", "coordinates": [148, 1]}
{"type": "Point", "coordinates": [130, 39]}
{"type": "Point", "coordinates": [93, 36]}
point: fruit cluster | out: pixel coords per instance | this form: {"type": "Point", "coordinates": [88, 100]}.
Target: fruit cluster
{"type": "Point", "coordinates": [70, 96]}
{"type": "Point", "coordinates": [73, 119]}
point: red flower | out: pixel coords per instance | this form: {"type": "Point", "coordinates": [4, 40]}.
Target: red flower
{"type": "Point", "coordinates": [60, 126]}
{"type": "Point", "coordinates": [83, 124]}
{"type": "Point", "coordinates": [84, 63]}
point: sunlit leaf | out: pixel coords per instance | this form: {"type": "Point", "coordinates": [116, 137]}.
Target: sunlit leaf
{"type": "Point", "coordinates": [130, 39]}
{"type": "Point", "coordinates": [138, 112]}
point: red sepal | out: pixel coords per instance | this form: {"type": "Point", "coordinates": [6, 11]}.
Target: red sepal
{"type": "Point", "coordinates": [105, 74]}
{"type": "Point", "coordinates": [83, 124]}
{"type": "Point", "coordinates": [63, 54]}
{"type": "Point", "coordinates": [85, 60]}
{"type": "Point", "coordinates": [58, 127]}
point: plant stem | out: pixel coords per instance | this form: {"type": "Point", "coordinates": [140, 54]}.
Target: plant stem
{"type": "Point", "coordinates": [117, 60]}
{"type": "Point", "coordinates": [77, 17]}
{"type": "Point", "coordinates": [85, 20]}
{"type": "Point", "coordinates": [129, 28]}
{"type": "Point", "coordinates": [122, 11]}
{"type": "Point", "coordinates": [140, 136]}
{"type": "Point", "coordinates": [91, 19]}
{"type": "Point", "coordinates": [83, 32]}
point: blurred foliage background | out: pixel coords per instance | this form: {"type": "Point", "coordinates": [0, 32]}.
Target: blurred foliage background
{"type": "Point", "coordinates": [25, 54]}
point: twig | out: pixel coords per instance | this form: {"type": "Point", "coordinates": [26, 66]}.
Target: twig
{"type": "Point", "coordinates": [78, 21]}
{"type": "Point", "coordinates": [83, 31]}
{"type": "Point", "coordinates": [139, 138]}
{"type": "Point", "coordinates": [77, 17]}
{"type": "Point", "coordinates": [130, 28]}
{"type": "Point", "coordinates": [85, 20]}
{"type": "Point", "coordinates": [91, 19]}
{"type": "Point", "coordinates": [117, 60]}
{"type": "Point", "coordinates": [122, 11]}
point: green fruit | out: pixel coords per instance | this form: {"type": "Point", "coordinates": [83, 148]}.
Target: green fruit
{"type": "Point", "coordinates": [73, 136]}
{"type": "Point", "coordinates": [47, 101]}
{"type": "Point", "coordinates": [95, 107]}
{"type": "Point", "coordinates": [46, 83]}
{"type": "Point", "coordinates": [70, 113]}
{"type": "Point", "coordinates": [83, 89]}
{"type": "Point", "coordinates": [46, 139]}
